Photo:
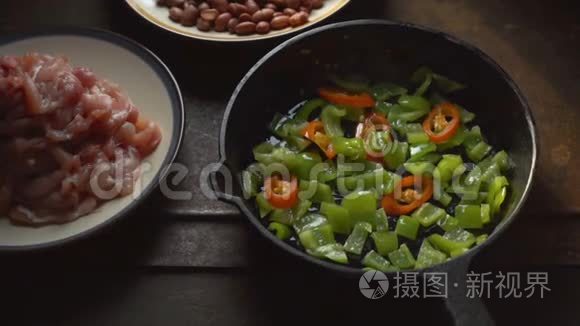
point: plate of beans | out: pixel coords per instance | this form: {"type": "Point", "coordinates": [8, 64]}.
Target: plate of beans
{"type": "Point", "coordinates": [231, 21]}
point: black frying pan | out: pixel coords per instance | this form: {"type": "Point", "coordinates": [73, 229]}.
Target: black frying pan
{"type": "Point", "coordinates": [381, 50]}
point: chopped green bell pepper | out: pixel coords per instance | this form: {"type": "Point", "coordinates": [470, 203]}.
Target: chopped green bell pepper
{"type": "Point", "coordinates": [419, 168]}
{"type": "Point", "coordinates": [407, 227]}
{"type": "Point", "coordinates": [317, 237]}
{"type": "Point", "coordinates": [337, 216]}
{"type": "Point", "coordinates": [481, 239]}
{"type": "Point", "coordinates": [475, 147]}
{"type": "Point", "coordinates": [381, 180]}
{"type": "Point", "coordinates": [409, 108]}
{"type": "Point", "coordinates": [420, 150]}
{"type": "Point", "coordinates": [263, 205]}
{"type": "Point", "coordinates": [447, 166]}
{"type": "Point", "coordinates": [469, 216]}
{"type": "Point", "coordinates": [281, 231]}
{"type": "Point", "coordinates": [428, 214]}
{"type": "Point", "coordinates": [458, 252]}
{"type": "Point", "coordinates": [455, 141]}
{"type": "Point", "coordinates": [356, 240]}
{"type": "Point", "coordinates": [385, 91]}
{"type": "Point", "coordinates": [444, 198]}
{"type": "Point", "coordinates": [385, 241]}
{"type": "Point", "coordinates": [429, 256]}
{"type": "Point", "coordinates": [452, 240]}
{"type": "Point", "coordinates": [315, 191]}
{"type": "Point", "coordinates": [309, 106]}
{"type": "Point", "coordinates": [485, 213]}
{"type": "Point", "coordinates": [502, 159]}
{"type": "Point", "coordinates": [402, 257]}
{"type": "Point", "coordinates": [497, 193]}
{"type": "Point", "coordinates": [353, 84]}
{"type": "Point", "coordinates": [397, 155]}
{"type": "Point", "coordinates": [381, 220]}
{"type": "Point", "coordinates": [377, 262]}
{"type": "Point", "coordinates": [448, 223]}
{"type": "Point", "coordinates": [416, 134]}
{"type": "Point", "coordinates": [332, 251]}
{"type": "Point", "coordinates": [361, 206]}
{"type": "Point", "coordinates": [331, 119]}
{"type": "Point", "coordinates": [352, 148]}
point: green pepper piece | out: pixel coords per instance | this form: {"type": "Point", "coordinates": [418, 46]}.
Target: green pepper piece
{"type": "Point", "coordinates": [381, 180]}
{"type": "Point", "coordinates": [407, 227]}
{"type": "Point", "coordinates": [308, 221]}
{"type": "Point", "coordinates": [497, 193]}
{"type": "Point", "coordinates": [281, 231]}
{"type": "Point", "coordinates": [452, 240]}
{"type": "Point", "coordinates": [448, 164]}
{"type": "Point", "coordinates": [332, 251]}
{"type": "Point", "coordinates": [402, 257]}
{"type": "Point", "coordinates": [469, 216]}
{"type": "Point", "coordinates": [466, 116]}
{"type": "Point", "coordinates": [485, 213]}
{"type": "Point", "coordinates": [282, 216]}
{"type": "Point", "coordinates": [458, 252]}
{"type": "Point", "coordinates": [397, 155]}
{"type": "Point", "coordinates": [419, 168]}
{"type": "Point", "coordinates": [385, 241]}
{"type": "Point", "coordinates": [381, 220]}
{"type": "Point", "coordinates": [302, 163]}
{"type": "Point", "coordinates": [429, 256]}
{"type": "Point", "coordinates": [263, 153]}
{"type": "Point", "coordinates": [337, 216]}
{"type": "Point", "coordinates": [409, 108]}
{"type": "Point", "coordinates": [455, 141]}
{"type": "Point", "coordinates": [416, 134]}
{"type": "Point", "coordinates": [377, 262]}
{"type": "Point", "coordinates": [361, 206]}
{"type": "Point", "coordinates": [423, 76]}
{"type": "Point", "coordinates": [420, 150]}
{"type": "Point", "coordinates": [328, 172]}
{"type": "Point", "coordinates": [316, 237]}
{"type": "Point", "coordinates": [428, 214]}
{"type": "Point", "coordinates": [352, 148]}
{"type": "Point", "coordinates": [356, 240]}
{"type": "Point", "coordinates": [502, 159]}
{"type": "Point", "coordinates": [250, 184]}
{"type": "Point", "coordinates": [383, 108]}
{"type": "Point", "coordinates": [448, 223]}
{"type": "Point", "coordinates": [315, 191]}
{"type": "Point", "coordinates": [481, 239]}
{"type": "Point", "coordinates": [475, 146]}
{"type": "Point", "coordinates": [354, 84]}
{"type": "Point", "coordinates": [309, 106]}
{"type": "Point", "coordinates": [385, 91]}
{"type": "Point", "coordinates": [264, 205]}
{"type": "Point", "coordinates": [444, 198]}
{"type": "Point", "coordinates": [331, 119]}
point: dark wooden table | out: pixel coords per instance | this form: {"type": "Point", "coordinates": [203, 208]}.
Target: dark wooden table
{"type": "Point", "coordinates": [197, 262]}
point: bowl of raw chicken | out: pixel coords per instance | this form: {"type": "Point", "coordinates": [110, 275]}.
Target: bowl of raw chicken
{"type": "Point", "coordinates": [89, 122]}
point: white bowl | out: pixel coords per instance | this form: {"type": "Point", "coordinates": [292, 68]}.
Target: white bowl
{"type": "Point", "coordinates": [153, 90]}
{"type": "Point", "coordinates": [159, 16]}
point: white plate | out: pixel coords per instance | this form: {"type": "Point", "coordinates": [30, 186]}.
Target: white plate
{"type": "Point", "coordinates": [159, 16]}
{"type": "Point", "coordinates": [148, 83]}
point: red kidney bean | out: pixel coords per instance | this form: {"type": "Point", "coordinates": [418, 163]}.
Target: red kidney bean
{"type": "Point", "coordinates": [245, 17]}
{"type": "Point", "coordinates": [209, 14]}
{"type": "Point", "coordinates": [306, 4]}
{"type": "Point", "coordinates": [305, 9]}
{"type": "Point", "coordinates": [203, 25]}
{"type": "Point", "coordinates": [190, 15]}
{"type": "Point", "coordinates": [294, 4]}
{"type": "Point", "coordinates": [220, 5]}
{"type": "Point", "coordinates": [202, 6]}
{"type": "Point", "coordinates": [317, 4]}
{"type": "Point", "coordinates": [175, 14]}
{"type": "Point", "coordinates": [270, 5]}
{"type": "Point", "coordinates": [237, 9]}
{"type": "Point", "coordinates": [221, 22]}
{"type": "Point", "coordinates": [232, 25]}
{"type": "Point", "coordinates": [246, 28]}
{"type": "Point", "coordinates": [252, 6]}
{"type": "Point", "coordinates": [299, 18]}
{"type": "Point", "coordinates": [263, 27]}
{"type": "Point", "coordinates": [278, 13]}
{"type": "Point", "coordinates": [280, 22]}
{"type": "Point", "coordinates": [289, 11]}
